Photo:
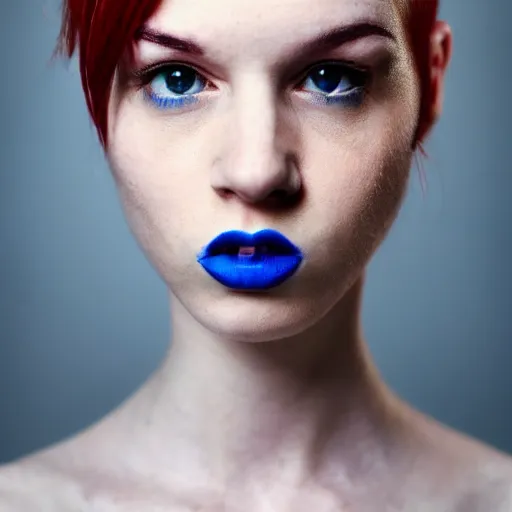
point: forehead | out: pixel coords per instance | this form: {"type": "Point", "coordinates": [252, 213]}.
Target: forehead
{"type": "Point", "coordinates": [237, 26]}
{"type": "Point", "coordinates": [238, 10]}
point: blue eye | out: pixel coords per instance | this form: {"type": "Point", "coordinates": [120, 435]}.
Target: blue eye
{"type": "Point", "coordinates": [337, 83]}
{"type": "Point", "coordinates": [176, 86]}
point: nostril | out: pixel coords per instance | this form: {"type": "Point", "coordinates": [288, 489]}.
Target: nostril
{"type": "Point", "coordinates": [225, 192]}
{"type": "Point", "coordinates": [279, 194]}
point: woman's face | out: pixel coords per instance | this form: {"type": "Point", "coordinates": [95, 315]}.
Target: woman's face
{"type": "Point", "coordinates": [225, 129]}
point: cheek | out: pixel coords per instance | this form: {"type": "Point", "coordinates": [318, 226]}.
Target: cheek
{"type": "Point", "coordinates": [355, 190]}
{"type": "Point", "coordinates": [356, 178]}
{"type": "Point", "coordinates": [156, 185]}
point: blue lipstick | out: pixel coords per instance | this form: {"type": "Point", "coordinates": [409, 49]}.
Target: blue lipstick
{"type": "Point", "coordinates": [243, 261]}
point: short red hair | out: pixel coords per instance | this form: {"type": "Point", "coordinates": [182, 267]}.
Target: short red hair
{"type": "Point", "coordinates": [103, 29]}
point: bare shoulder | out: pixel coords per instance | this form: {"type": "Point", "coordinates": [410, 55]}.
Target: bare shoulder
{"type": "Point", "coordinates": [489, 483]}
{"type": "Point", "coordinates": [463, 473]}
{"type": "Point", "coordinates": [27, 486]}
{"type": "Point", "coordinates": [482, 475]}
{"type": "Point", "coordinates": [18, 485]}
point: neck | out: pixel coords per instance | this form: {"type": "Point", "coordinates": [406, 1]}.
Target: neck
{"type": "Point", "coordinates": [229, 412]}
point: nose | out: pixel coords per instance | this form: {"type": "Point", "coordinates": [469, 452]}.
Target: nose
{"type": "Point", "coordinates": [258, 163]}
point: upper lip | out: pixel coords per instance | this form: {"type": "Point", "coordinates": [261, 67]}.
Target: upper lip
{"type": "Point", "coordinates": [268, 237]}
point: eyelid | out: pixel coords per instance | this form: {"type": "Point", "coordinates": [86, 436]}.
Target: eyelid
{"type": "Point", "coordinates": [146, 74]}
{"type": "Point", "coordinates": [350, 65]}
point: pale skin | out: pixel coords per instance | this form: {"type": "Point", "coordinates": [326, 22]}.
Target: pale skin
{"type": "Point", "coordinates": [266, 401]}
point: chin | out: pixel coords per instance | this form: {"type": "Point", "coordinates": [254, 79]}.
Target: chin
{"type": "Point", "coordinates": [254, 317]}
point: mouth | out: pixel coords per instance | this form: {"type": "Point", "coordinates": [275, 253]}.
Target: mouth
{"type": "Point", "coordinates": [240, 243]}
{"type": "Point", "coordinates": [259, 261]}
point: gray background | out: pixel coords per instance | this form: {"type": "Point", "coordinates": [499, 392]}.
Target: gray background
{"type": "Point", "coordinates": [83, 317]}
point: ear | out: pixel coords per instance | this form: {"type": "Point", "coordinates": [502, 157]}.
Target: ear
{"type": "Point", "coordinates": [440, 55]}
{"type": "Point", "coordinates": [441, 52]}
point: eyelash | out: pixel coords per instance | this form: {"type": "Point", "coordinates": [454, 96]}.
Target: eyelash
{"type": "Point", "coordinates": [353, 97]}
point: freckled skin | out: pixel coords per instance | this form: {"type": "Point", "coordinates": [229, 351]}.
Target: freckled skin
{"type": "Point", "coordinates": [266, 401]}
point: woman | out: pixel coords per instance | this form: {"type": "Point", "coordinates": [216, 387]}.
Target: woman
{"type": "Point", "coordinates": [239, 137]}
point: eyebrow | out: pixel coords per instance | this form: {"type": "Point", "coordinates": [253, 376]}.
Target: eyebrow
{"type": "Point", "coordinates": [325, 41]}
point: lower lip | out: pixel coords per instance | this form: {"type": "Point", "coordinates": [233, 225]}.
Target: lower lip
{"type": "Point", "coordinates": [253, 272]}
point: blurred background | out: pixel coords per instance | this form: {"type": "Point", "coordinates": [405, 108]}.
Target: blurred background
{"type": "Point", "coordinates": [84, 318]}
